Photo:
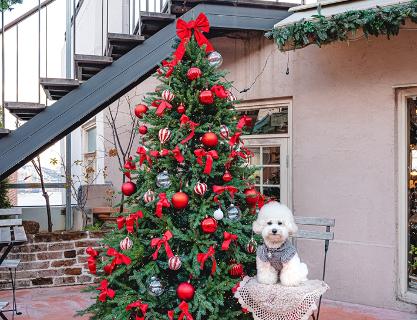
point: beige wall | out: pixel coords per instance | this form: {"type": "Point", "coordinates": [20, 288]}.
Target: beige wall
{"type": "Point", "coordinates": [343, 149]}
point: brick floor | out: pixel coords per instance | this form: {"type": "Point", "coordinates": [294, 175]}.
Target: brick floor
{"type": "Point", "coordinates": [61, 303]}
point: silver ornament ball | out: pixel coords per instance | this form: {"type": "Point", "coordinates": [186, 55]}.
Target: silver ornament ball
{"type": "Point", "coordinates": [162, 180]}
{"type": "Point", "coordinates": [215, 59]}
{"type": "Point", "coordinates": [218, 214]}
{"type": "Point", "coordinates": [234, 213]}
{"type": "Point", "coordinates": [155, 287]}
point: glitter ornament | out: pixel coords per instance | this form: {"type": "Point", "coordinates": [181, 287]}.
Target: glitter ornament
{"type": "Point", "coordinates": [162, 180]}
{"type": "Point", "coordinates": [140, 110]}
{"type": "Point", "coordinates": [215, 59]}
{"type": "Point", "coordinates": [174, 263]}
{"type": "Point", "coordinates": [126, 244]}
{"type": "Point", "coordinates": [224, 132]}
{"type": "Point", "coordinates": [149, 196]}
{"type": "Point", "coordinates": [206, 97]}
{"type": "Point", "coordinates": [193, 73]}
{"type": "Point", "coordinates": [185, 291]}
{"type": "Point", "coordinates": [200, 188]}
{"type": "Point", "coordinates": [209, 225]}
{"type": "Point", "coordinates": [155, 286]}
{"type": "Point", "coordinates": [164, 135]}
{"type": "Point", "coordinates": [128, 188]}
{"type": "Point", "coordinates": [218, 214]}
{"type": "Point", "coordinates": [234, 213]}
{"type": "Point", "coordinates": [209, 139]}
{"type": "Point", "coordinates": [252, 196]}
{"type": "Point", "coordinates": [168, 95]}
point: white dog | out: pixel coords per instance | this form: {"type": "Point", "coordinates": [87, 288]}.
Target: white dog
{"type": "Point", "coordinates": [277, 258]}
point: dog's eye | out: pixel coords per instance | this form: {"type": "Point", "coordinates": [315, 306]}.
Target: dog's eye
{"type": "Point", "coordinates": [279, 223]}
{"type": "Point", "coordinates": [270, 222]}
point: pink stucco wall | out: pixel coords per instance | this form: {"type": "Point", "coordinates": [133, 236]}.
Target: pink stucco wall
{"type": "Point", "coordinates": [344, 133]}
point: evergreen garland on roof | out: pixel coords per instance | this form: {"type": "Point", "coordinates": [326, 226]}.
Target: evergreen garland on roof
{"type": "Point", "coordinates": [324, 30]}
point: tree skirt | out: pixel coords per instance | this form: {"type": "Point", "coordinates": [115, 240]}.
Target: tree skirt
{"type": "Point", "coordinates": [278, 302]}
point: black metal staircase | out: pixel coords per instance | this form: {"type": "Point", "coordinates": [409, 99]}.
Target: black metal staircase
{"type": "Point", "coordinates": [128, 60]}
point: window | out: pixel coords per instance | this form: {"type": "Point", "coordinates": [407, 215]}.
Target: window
{"type": "Point", "coordinates": [91, 140]}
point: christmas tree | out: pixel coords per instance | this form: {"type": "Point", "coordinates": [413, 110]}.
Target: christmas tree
{"type": "Point", "coordinates": [187, 240]}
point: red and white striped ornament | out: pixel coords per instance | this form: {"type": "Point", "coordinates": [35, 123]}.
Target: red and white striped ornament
{"type": "Point", "coordinates": [236, 270]}
{"type": "Point", "coordinates": [231, 96]}
{"type": "Point", "coordinates": [200, 188]}
{"type": "Point", "coordinates": [149, 196]}
{"type": "Point", "coordinates": [164, 135]}
{"type": "Point", "coordinates": [224, 132]}
{"type": "Point", "coordinates": [251, 246]}
{"type": "Point", "coordinates": [174, 263]}
{"type": "Point", "coordinates": [126, 244]}
{"type": "Point", "coordinates": [168, 95]}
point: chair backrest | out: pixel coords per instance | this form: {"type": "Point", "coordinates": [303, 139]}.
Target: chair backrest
{"type": "Point", "coordinates": [16, 212]}
{"type": "Point", "coordinates": [318, 222]}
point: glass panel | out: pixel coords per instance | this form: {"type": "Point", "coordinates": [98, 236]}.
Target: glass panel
{"type": "Point", "coordinates": [268, 120]}
{"type": "Point", "coordinates": [91, 140]}
{"type": "Point", "coordinates": [33, 197]}
{"type": "Point", "coordinates": [271, 175]}
{"type": "Point", "coordinates": [270, 155]}
{"type": "Point", "coordinates": [273, 192]}
{"type": "Point", "coordinates": [256, 159]}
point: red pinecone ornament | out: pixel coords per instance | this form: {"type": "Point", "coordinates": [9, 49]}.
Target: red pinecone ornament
{"type": "Point", "coordinates": [206, 97]}
{"type": "Point", "coordinates": [128, 188]}
{"type": "Point", "coordinates": [236, 270]}
{"type": "Point", "coordinates": [193, 73]}
{"type": "Point", "coordinates": [140, 110]}
{"type": "Point", "coordinates": [209, 225]}
{"type": "Point", "coordinates": [179, 200]}
{"type": "Point", "coordinates": [185, 291]}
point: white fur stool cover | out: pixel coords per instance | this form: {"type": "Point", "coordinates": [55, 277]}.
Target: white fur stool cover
{"type": "Point", "coordinates": [278, 302]}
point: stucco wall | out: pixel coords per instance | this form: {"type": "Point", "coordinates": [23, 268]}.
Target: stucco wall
{"type": "Point", "coordinates": [343, 149]}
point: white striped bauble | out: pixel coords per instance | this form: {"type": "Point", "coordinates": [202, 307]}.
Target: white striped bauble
{"type": "Point", "coordinates": [126, 244]}
{"type": "Point", "coordinates": [149, 196]}
{"type": "Point", "coordinates": [164, 135]}
{"type": "Point", "coordinates": [174, 263]}
{"type": "Point", "coordinates": [168, 95]}
{"type": "Point", "coordinates": [200, 188]}
{"type": "Point", "coordinates": [224, 131]}
{"type": "Point", "coordinates": [231, 96]}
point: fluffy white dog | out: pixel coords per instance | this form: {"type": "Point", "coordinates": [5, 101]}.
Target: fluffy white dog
{"type": "Point", "coordinates": [277, 258]}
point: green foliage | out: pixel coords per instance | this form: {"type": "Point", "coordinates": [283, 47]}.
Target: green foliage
{"type": "Point", "coordinates": [7, 4]}
{"type": "Point", "coordinates": [213, 299]}
{"type": "Point", "coordinates": [324, 30]}
{"type": "Point", "coordinates": [4, 199]}
{"type": "Point", "coordinates": [413, 260]}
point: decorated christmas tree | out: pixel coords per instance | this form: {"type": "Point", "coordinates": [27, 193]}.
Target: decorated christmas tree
{"type": "Point", "coordinates": [186, 240]}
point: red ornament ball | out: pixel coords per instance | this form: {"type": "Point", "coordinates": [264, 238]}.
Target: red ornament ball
{"type": "Point", "coordinates": [140, 110]}
{"type": "Point", "coordinates": [193, 73]}
{"type": "Point", "coordinates": [209, 225]}
{"type": "Point", "coordinates": [143, 129]}
{"type": "Point", "coordinates": [181, 108]}
{"type": "Point", "coordinates": [206, 97]}
{"type": "Point", "coordinates": [236, 270]}
{"type": "Point", "coordinates": [179, 200]}
{"type": "Point", "coordinates": [128, 188]}
{"type": "Point", "coordinates": [252, 196]}
{"type": "Point", "coordinates": [185, 291]}
{"type": "Point", "coordinates": [209, 139]}
{"type": "Point", "coordinates": [227, 177]}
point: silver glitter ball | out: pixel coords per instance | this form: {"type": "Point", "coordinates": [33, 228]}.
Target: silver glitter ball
{"type": "Point", "coordinates": [234, 213]}
{"type": "Point", "coordinates": [163, 180]}
{"type": "Point", "coordinates": [155, 287]}
{"type": "Point", "coordinates": [215, 59]}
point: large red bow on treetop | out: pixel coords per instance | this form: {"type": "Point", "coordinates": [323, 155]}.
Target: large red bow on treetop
{"type": "Point", "coordinates": [228, 238]}
{"type": "Point", "coordinates": [185, 120]}
{"type": "Point", "coordinates": [92, 266]}
{"type": "Point", "coordinates": [185, 31]}
{"type": "Point", "coordinates": [143, 307]}
{"type": "Point", "coordinates": [119, 258]}
{"type": "Point", "coordinates": [158, 242]}
{"type": "Point", "coordinates": [202, 257]}
{"type": "Point", "coordinates": [210, 155]}
{"type": "Point", "coordinates": [220, 189]}
{"type": "Point", "coordinates": [162, 202]}
{"type": "Point", "coordinates": [160, 106]}
{"type": "Point", "coordinates": [105, 291]}
{"type": "Point", "coordinates": [176, 153]}
{"type": "Point", "coordinates": [129, 221]}
{"type": "Point", "coordinates": [143, 156]}
{"type": "Point", "coordinates": [185, 314]}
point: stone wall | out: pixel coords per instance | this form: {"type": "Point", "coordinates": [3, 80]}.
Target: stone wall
{"type": "Point", "coordinates": [52, 259]}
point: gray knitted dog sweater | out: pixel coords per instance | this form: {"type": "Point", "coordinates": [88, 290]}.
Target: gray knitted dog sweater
{"type": "Point", "coordinates": [276, 256]}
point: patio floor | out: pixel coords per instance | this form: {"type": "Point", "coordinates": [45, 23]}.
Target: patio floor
{"type": "Point", "coordinates": [62, 302]}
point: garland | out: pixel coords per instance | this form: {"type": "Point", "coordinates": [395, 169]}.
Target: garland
{"type": "Point", "coordinates": [324, 30]}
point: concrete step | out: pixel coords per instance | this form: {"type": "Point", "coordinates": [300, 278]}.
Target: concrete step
{"type": "Point", "coordinates": [4, 132]}
{"type": "Point", "coordinates": [56, 88]}
{"type": "Point", "coordinates": [87, 66]}
{"type": "Point", "coordinates": [151, 22]}
{"type": "Point", "coordinates": [24, 110]}
{"type": "Point", "coordinates": [119, 44]}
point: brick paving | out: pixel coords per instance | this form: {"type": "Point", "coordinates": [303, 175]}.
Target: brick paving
{"type": "Point", "coordinates": [61, 303]}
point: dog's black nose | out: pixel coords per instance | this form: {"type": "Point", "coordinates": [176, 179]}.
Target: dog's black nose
{"type": "Point", "coordinates": [274, 231]}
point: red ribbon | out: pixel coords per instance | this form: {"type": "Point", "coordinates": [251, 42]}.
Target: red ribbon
{"type": "Point", "coordinates": [162, 202]}
{"type": "Point", "coordinates": [220, 189]}
{"type": "Point", "coordinates": [171, 314]}
{"type": "Point", "coordinates": [161, 105]}
{"type": "Point", "coordinates": [236, 287]}
{"type": "Point", "coordinates": [119, 258]}
{"type": "Point", "coordinates": [210, 155]}
{"type": "Point", "coordinates": [129, 221]}
{"type": "Point", "coordinates": [143, 156]}
{"type": "Point", "coordinates": [176, 153]}
{"type": "Point", "coordinates": [129, 165]}
{"type": "Point", "coordinates": [158, 242]}
{"type": "Point", "coordinates": [143, 307]}
{"type": "Point", "coordinates": [185, 120]}
{"type": "Point", "coordinates": [244, 121]}
{"type": "Point", "coordinates": [219, 91]}
{"type": "Point", "coordinates": [235, 138]}
{"type": "Point", "coordinates": [185, 314]}
{"type": "Point", "coordinates": [105, 291]}
{"type": "Point", "coordinates": [228, 238]}
{"type": "Point", "coordinates": [202, 257]}
{"type": "Point", "coordinates": [92, 264]}
{"type": "Point", "coordinates": [169, 65]}
{"type": "Point", "coordinates": [185, 31]}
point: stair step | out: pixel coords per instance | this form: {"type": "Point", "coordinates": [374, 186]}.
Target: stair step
{"type": "Point", "coordinates": [4, 132]}
{"type": "Point", "coordinates": [119, 44]}
{"type": "Point", "coordinates": [89, 65]}
{"type": "Point", "coordinates": [152, 22]}
{"type": "Point", "coordinates": [56, 88]}
{"type": "Point", "coordinates": [24, 110]}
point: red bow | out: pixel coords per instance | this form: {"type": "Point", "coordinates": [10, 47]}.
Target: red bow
{"type": "Point", "coordinates": [119, 258]}
{"type": "Point", "coordinates": [185, 314]}
{"type": "Point", "coordinates": [171, 314]}
{"type": "Point", "coordinates": [129, 221]}
{"type": "Point", "coordinates": [235, 138]}
{"type": "Point", "coordinates": [162, 202]}
{"type": "Point", "coordinates": [210, 155]}
{"type": "Point", "coordinates": [161, 105]}
{"type": "Point", "coordinates": [105, 291]}
{"type": "Point", "coordinates": [143, 307]}
{"type": "Point", "coordinates": [220, 189]}
{"type": "Point", "coordinates": [143, 156]}
{"type": "Point", "coordinates": [158, 242]}
{"type": "Point", "coordinates": [234, 154]}
{"type": "Point", "coordinates": [129, 165]}
{"type": "Point", "coordinates": [202, 257]}
{"type": "Point", "coordinates": [244, 121]}
{"type": "Point", "coordinates": [184, 32]}
{"type": "Point", "coordinates": [219, 91]}
{"type": "Point", "coordinates": [176, 153]}
{"type": "Point", "coordinates": [185, 120]}
{"type": "Point", "coordinates": [228, 238]}
{"type": "Point", "coordinates": [92, 266]}
{"type": "Point", "coordinates": [236, 287]}
{"type": "Point", "coordinates": [169, 65]}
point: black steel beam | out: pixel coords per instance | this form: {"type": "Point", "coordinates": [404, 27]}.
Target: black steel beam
{"type": "Point", "coordinates": [94, 95]}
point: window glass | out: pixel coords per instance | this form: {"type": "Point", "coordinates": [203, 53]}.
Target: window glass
{"type": "Point", "coordinates": [91, 139]}
{"type": "Point", "coordinates": [272, 120]}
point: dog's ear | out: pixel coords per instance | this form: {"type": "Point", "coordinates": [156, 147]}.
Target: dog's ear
{"type": "Point", "coordinates": [292, 227]}
{"type": "Point", "coordinates": [257, 227]}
